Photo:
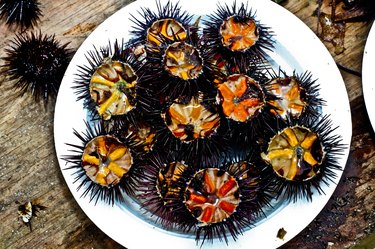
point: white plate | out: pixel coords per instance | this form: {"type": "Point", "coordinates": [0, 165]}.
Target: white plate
{"type": "Point", "coordinates": [368, 76]}
{"type": "Point", "coordinates": [297, 48]}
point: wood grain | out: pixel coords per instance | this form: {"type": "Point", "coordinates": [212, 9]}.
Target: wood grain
{"type": "Point", "coordinates": [29, 168]}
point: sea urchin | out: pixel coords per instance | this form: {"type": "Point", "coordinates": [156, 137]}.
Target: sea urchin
{"type": "Point", "coordinates": [23, 13]}
{"type": "Point", "coordinates": [103, 165]}
{"type": "Point", "coordinates": [302, 154]}
{"type": "Point", "coordinates": [37, 62]}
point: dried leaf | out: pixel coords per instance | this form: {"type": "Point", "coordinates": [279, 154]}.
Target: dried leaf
{"type": "Point", "coordinates": [332, 32]}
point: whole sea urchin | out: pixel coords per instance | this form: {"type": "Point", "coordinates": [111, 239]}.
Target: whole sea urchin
{"type": "Point", "coordinates": [24, 13]}
{"type": "Point", "coordinates": [37, 62]}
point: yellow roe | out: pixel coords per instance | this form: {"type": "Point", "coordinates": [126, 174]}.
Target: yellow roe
{"type": "Point", "coordinates": [113, 88]}
{"type": "Point", "coordinates": [106, 160]}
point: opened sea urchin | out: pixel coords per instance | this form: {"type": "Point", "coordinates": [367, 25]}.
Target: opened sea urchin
{"type": "Point", "coordinates": [104, 165]}
{"type": "Point", "coordinates": [302, 154]}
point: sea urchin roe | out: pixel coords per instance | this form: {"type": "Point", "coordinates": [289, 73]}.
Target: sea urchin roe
{"type": "Point", "coordinates": [212, 196]}
{"type": "Point", "coordinates": [168, 177]}
{"type": "Point", "coordinates": [113, 88]}
{"type": "Point", "coordinates": [295, 153]}
{"type": "Point", "coordinates": [165, 29]}
{"type": "Point", "coordinates": [241, 97]}
{"type": "Point", "coordinates": [183, 60]}
{"type": "Point", "coordinates": [190, 121]}
{"type": "Point", "coordinates": [239, 33]}
{"type": "Point", "coordinates": [106, 160]}
{"type": "Point", "coordinates": [291, 96]}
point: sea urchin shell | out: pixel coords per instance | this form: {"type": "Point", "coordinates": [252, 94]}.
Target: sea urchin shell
{"type": "Point", "coordinates": [37, 62]}
{"type": "Point", "coordinates": [216, 199]}
{"type": "Point", "coordinates": [108, 84]}
{"type": "Point", "coordinates": [183, 60]}
{"type": "Point", "coordinates": [295, 95]}
{"type": "Point", "coordinates": [112, 87]}
{"type": "Point", "coordinates": [220, 201]}
{"type": "Point", "coordinates": [165, 29]}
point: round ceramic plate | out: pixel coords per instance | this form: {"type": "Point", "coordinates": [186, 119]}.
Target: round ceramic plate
{"type": "Point", "coordinates": [297, 48]}
{"type": "Point", "coordinates": [368, 77]}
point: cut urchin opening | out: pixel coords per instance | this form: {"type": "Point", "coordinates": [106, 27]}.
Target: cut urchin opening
{"type": "Point", "coordinates": [183, 60]}
{"type": "Point", "coordinates": [20, 13]}
{"type": "Point", "coordinates": [302, 154]}
{"type": "Point", "coordinates": [296, 95]}
{"type": "Point", "coordinates": [108, 84]}
{"type": "Point", "coordinates": [104, 166]}
{"type": "Point", "coordinates": [194, 125]}
{"type": "Point", "coordinates": [138, 130]}
{"type": "Point", "coordinates": [241, 97]}
{"type": "Point", "coordinates": [234, 32]}
{"type": "Point", "coordinates": [244, 101]}
{"type": "Point", "coordinates": [220, 202]}
{"type": "Point", "coordinates": [37, 63]}
{"type": "Point", "coordinates": [165, 25]}
{"type": "Point", "coordinates": [190, 120]}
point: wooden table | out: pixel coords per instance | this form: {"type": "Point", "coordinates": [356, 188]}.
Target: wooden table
{"type": "Point", "coordinates": [29, 168]}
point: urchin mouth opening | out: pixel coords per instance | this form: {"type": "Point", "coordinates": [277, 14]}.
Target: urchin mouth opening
{"type": "Point", "coordinates": [167, 29]}
{"type": "Point", "coordinates": [238, 34]}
